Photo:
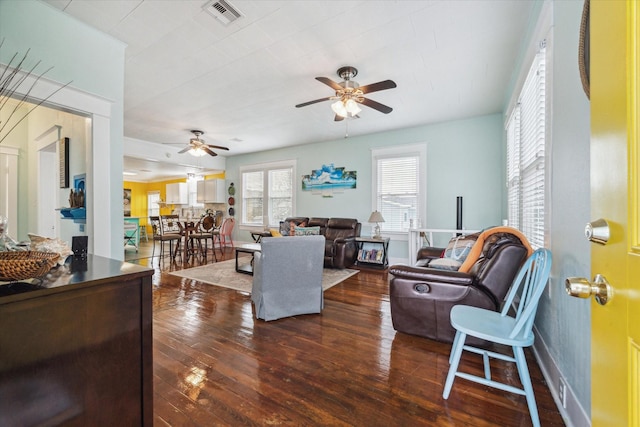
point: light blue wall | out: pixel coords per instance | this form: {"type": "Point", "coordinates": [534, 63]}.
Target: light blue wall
{"type": "Point", "coordinates": [464, 158]}
{"type": "Point", "coordinates": [564, 322]}
{"type": "Point", "coordinates": [91, 59]}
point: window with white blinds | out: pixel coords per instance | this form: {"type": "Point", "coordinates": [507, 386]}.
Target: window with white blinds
{"type": "Point", "coordinates": [252, 197]}
{"type": "Point", "coordinates": [267, 193]}
{"type": "Point", "coordinates": [399, 186]}
{"type": "Point", "coordinates": [526, 142]}
{"type": "Point", "coordinates": [153, 203]}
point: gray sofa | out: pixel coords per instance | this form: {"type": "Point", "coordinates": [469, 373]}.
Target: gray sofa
{"type": "Point", "coordinates": [287, 277]}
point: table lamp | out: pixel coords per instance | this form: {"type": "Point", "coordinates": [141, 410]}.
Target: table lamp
{"type": "Point", "coordinates": [377, 218]}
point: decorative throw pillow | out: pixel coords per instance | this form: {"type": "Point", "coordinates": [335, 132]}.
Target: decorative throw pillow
{"type": "Point", "coordinates": [460, 246]}
{"type": "Point", "coordinates": [284, 228]}
{"type": "Point", "coordinates": [275, 233]}
{"type": "Point", "coordinates": [445, 264]}
{"type": "Point", "coordinates": [292, 230]}
{"type": "Point", "coordinates": [306, 231]}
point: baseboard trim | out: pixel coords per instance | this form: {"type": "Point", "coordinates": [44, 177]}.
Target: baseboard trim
{"type": "Point", "coordinates": [574, 414]}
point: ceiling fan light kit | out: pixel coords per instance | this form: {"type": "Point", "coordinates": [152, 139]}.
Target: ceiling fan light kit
{"type": "Point", "coordinates": [197, 152]}
{"type": "Point", "coordinates": [198, 148]}
{"type": "Point", "coordinates": [349, 94]}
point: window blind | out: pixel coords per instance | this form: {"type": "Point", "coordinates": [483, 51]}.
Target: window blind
{"type": "Point", "coordinates": [153, 203]}
{"type": "Point", "coordinates": [280, 195]}
{"type": "Point", "coordinates": [526, 130]}
{"type": "Point", "coordinates": [252, 197]}
{"type": "Point", "coordinates": [397, 191]}
{"type": "Point", "coordinates": [267, 193]}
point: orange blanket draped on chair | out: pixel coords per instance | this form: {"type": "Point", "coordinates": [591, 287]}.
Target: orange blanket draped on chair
{"type": "Point", "coordinates": [476, 249]}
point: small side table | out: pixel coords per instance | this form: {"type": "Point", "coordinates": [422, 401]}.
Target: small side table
{"type": "Point", "coordinates": [258, 235]}
{"type": "Point", "coordinates": [372, 253]}
{"type": "Point", "coordinates": [247, 248]}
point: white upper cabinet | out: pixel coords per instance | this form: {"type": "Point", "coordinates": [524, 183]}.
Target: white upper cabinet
{"type": "Point", "coordinates": [177, 194]}
{"type": "Point", "coordinates": [211, 191]}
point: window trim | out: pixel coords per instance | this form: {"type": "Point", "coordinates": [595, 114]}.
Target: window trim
{"type": "Point", "coordinates": [265, 168]}
{"type": "Point", "coordinates": [420, 150]}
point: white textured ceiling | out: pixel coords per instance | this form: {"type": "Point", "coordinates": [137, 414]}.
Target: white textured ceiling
{"type": "Point", "coordinates": [239, 83]}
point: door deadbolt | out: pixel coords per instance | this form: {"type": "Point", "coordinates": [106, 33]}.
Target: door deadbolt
{"type": "Point", "coordinates": [580, 287]}
{"type": "Point", "coordinates": [598, 231]}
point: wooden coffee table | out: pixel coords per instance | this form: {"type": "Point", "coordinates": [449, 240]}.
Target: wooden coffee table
{"type": "Point", "coordinates": [247, 248]}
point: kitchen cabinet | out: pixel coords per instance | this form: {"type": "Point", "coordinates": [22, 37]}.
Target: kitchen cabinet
{"type": "Point", "coordinates": [212, 191]}
{"type": "Point", "coordinates": [177, 194]}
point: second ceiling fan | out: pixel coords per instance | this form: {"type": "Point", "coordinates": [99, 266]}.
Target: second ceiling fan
{"type": "Point", "coordinates": [197, 146]}
{"type": "Point", "coordinates": [349, 94]}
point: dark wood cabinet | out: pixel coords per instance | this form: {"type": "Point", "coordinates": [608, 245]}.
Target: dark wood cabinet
{"type": "Point", "coordinates": [77, 350]}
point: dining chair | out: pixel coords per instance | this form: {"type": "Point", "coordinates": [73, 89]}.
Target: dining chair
{"type": "Point", "coordinates": [224, 234]}
{"type": "Point", "coordinates": [513, 326]}
{"type": "Point", "coordinates": [165, 229]}
{"type": "Point", "coordinates": [204, 231]}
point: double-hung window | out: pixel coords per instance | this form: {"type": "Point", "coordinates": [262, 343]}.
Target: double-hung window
{"type": "Point", "coordinates": [153, 203]}
{"type": "Point", "coordinates": [268, 193]}
{"type": "Point", "coordinates": [399, 186]}
{"type": "Point", "coordinates": [526, 140]}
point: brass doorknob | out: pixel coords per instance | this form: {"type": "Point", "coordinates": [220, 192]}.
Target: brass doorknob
{"type": "Point", "coordinates": [580, 287]}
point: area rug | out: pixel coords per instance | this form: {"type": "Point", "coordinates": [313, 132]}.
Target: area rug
{"type": "Point", "coordinates": [224, 274]}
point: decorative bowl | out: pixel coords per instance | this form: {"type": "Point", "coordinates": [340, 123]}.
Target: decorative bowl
{"type": "Point", "coordinates": [22, 265]}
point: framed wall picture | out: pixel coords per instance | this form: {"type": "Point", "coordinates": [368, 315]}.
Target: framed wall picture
{"type": "Point", "coordinates": [63, 162]}
{"type": "Point", "coordinates": [127, 201]}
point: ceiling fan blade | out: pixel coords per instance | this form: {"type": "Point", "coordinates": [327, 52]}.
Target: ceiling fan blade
{"type": "Point", "coordinates": [206, 149]}
{"type": "Point", "coordinates": [376, 106]}
{"type": "Point", "coordinates": [313, 102]}
{"type": "Point", "coordinates": [374, 87]}
{"type": "Point", "coordinates": [184, 150]}
{"type": "Point", "coordinates": [338, 118]}
{"type": "Point", "coordinates": [330, 83]}
{"type": "Point", "coordinates": [219, 147]}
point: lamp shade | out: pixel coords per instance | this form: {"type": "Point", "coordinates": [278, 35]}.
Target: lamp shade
{"type": "Point", "coordinates": [339, 108]}
{"type": "Point", "coordinates": [376, 217]}
{"type": "Point", "coordinates": [352, 107]}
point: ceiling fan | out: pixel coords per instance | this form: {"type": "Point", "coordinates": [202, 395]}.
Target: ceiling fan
{"type": "Point", "coordinates": [349, 94]}
{"type": "Point", "coordinates": [197, 146]}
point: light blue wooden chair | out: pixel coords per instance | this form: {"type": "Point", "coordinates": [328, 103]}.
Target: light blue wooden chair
{"type": "Point", "coordinates": [502, 328]}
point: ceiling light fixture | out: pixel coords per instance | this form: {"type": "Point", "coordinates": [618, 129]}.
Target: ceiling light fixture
{"type": "Point", "coordinates": [346, 107]}
{"type": "Point", "coordinates": [197, 152]}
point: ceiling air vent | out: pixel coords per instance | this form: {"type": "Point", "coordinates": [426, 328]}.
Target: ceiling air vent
{"type": "Point", "coordinates": [223, 11]}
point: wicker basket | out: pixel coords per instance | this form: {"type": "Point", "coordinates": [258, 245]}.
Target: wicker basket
{"type": "Point", "coordinates": [22, 265]}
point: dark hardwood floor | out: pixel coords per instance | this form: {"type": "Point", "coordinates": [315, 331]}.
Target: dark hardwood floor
{"type": "Point", "coordinates": [215, 364]}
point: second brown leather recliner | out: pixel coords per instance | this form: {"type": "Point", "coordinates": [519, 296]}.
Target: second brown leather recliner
{"type": "Point", "coordinates": [421, 297]}
{"type": "Point", "coordinates": [340, 237]}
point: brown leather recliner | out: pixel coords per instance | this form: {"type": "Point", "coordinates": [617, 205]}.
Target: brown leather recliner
{"type": "Point", "coordinates": [422, 297]}
{"type": "Point", "coordinates": [340, 237]}
{"type": "Point", "coordinates": [340, 249]}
